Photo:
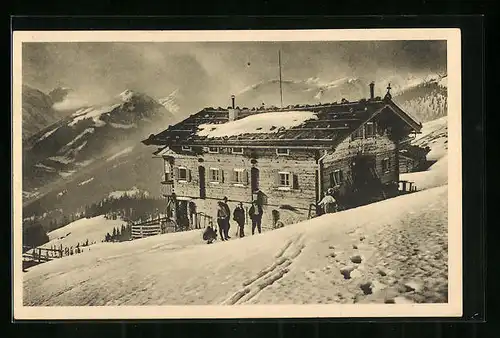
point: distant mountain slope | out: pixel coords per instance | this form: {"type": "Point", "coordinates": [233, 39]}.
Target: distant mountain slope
{"type": "Point", "coordinates": [65, 147]}
{"type": "Point", "coordinates": [37, 111]}
{"type": "Point", "coordinates": [427, 100]}
{"type": "Point", "coordinates": [424, 97]}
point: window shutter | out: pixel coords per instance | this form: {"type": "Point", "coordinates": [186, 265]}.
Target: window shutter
{"type": "Point", "coordinates": [188, 175]}
{"type": "Point", "coordinates": [234, 176]}
{"type": "Point", "coordinates": [177, 173]}
{"type": "Point", "coordinates": [245, 177]}
{"type": "Point", "coordinates": [295, 181]}
{"type": "Point", "coordinates": [277, 178]}
{"type": "Point", "coordinates": [221, 175]}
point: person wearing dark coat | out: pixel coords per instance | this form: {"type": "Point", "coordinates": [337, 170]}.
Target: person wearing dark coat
{"type": "Point", "coordinates": [209, 234]}
{"type": "Point", "coordinates": [228, 212]}
{"type": "Point", "coordinates": [239, 217]}
{"type": "Point", "coordinates": [222, 217]}
{"type": "Point", "coordinates": [256, 213]}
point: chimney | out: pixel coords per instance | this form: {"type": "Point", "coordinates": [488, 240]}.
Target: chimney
{"type": "Point", "coordinates": [233, 112]}
{"type": "Point", "coordinates": [372, 90]}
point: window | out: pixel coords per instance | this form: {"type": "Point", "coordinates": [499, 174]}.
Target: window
{"type": "Point", "coordinates": [336, 178]}
{"type": "Point", "coordinates": [239, 176]}
{"type": "Point", "coordinates": [284, 179]}
{"type": "Point", "coordinates": [385, 165]}
{"type": "Point", "coordinates": [281, 151]}
{"type": "Point", "coordinates": [358, 134]}
{"type": "Point", "coordinates": [183, 174]}
{"type": "Point", "coordinates": [186, 148]}
{"type": "Point", "coordinates": [167, 167]}
{"type": "Point", "coordinates": [215, 175]}
{"type": "Point", "coordinates": [213, 150]}
{"type": "Point", "coordinates": [237, 150]}
{"type": "Point", "coordinates": [369, 129]}
{"type": "Point", "coordinates": [168, 171]}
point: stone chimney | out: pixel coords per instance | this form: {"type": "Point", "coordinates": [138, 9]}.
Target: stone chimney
{"type": "Point", "coordinates": [372, 90]}
{"type": "Point", "coordinates": [233, 111]}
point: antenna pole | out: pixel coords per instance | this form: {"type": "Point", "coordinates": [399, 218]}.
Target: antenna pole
{"type": "Point", "coordinates": [281, 87]}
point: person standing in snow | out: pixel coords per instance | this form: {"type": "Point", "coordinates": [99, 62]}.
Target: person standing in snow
{"type": "Point", "coordinates": [222, 221]}
{"type": "Point", "coordinates": [192, 215]}
{"type": "Point", "coordinates": [256, 213]}
{"type": "Point", "coordinates": [239, 217]}
{"type": "Point", "coordinates": [228, 212]}
{"type": "Point", "coordinates": [328, 203]}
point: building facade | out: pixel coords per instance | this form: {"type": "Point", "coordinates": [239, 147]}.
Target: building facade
{"type": "Point", "coordinates": [285, 158]}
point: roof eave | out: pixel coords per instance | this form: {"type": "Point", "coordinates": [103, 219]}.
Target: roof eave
{"type": "Point", "coordinates": [414, 124]}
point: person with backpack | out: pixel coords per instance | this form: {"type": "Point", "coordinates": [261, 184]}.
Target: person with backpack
{"type": "Point", "coordinates": [256, 213]}
{"type": "Point", "coordinates": [239, 217]}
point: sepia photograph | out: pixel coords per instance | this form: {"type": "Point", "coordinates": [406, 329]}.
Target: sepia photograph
{"type": "Point", "coordinates": [237, 174]}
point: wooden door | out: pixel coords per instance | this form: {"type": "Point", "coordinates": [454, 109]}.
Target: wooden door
{"type": "Point", "coordinates": [201, 173]}
{"type": "Point", "coordinates": [254, 179]}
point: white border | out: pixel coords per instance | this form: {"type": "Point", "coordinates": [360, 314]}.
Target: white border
{"type": "Point", "coordinates": [451, 309]}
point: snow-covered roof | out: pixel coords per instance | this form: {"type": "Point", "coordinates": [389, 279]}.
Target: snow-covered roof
{"type": "Point", "coordinates": [270, 122]}
{"type": "Point", "coordinates": [320, 125]}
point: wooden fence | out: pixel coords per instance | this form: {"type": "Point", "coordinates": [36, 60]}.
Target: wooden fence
{"type": "Point", "coordinates": [34, 256]}
{"type": "Point", "coordinates": [153, 227]}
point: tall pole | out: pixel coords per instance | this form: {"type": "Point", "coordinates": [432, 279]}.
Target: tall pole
{"type": "Point", "coordinates": [281, 87]}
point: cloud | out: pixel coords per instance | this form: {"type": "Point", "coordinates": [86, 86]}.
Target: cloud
{"type": "Point", "coordinates": [70, 103]}
{"type": "Point", "coordinates": [206, 74]}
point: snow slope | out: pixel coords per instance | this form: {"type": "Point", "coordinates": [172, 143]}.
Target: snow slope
{"type": "Point", "coordinates": [301, 263]}
{"type": "Point", "coordinates": [134, 191]}
{"type": "Point", "coordinates": [435, 135]}
{"type": "Point", "coordinates": [93, 229]}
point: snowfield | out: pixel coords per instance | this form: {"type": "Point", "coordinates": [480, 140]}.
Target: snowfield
{"type": "Point", "coordinates": [86, 181]}
{"type": "Point", "coordinates": [435, 135]}
{"type": "Point", "coordinates": [93, 113]}
{"type": "Point", "coordinates": [132, 192]}
{"type": "Point", "coordinates": [120, 153]}
{"type": "Point", "coordinates": [393, 251]}
{"type": "Point", "coordinates": [93, 229]}
{"type": "Point", "coordinates": [401, 244]}
{"type": "Point", "coordinates": [258, 123]}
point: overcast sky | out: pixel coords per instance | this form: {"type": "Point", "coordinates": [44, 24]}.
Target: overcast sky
{"type": "Point", "coordinates": [207, 73]}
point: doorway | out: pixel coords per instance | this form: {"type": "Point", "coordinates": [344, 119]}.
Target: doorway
{"type": "Point", "coordinates": [362, 171]}
{"type": "Point", "coordinates": [201, 173]}
{"type": "Point", "coordinates": [182, 215]}
{"type": "Point", "coordinates": [254, 179]}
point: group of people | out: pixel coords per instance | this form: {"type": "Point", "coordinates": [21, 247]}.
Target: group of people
{"type": "Point", "coordinates": [223, 220]}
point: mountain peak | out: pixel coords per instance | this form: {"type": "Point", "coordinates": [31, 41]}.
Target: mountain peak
{"type": "Point", "coordinates": [127, 94]}
{"type": "Point", "coordinates": [58, 94]}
